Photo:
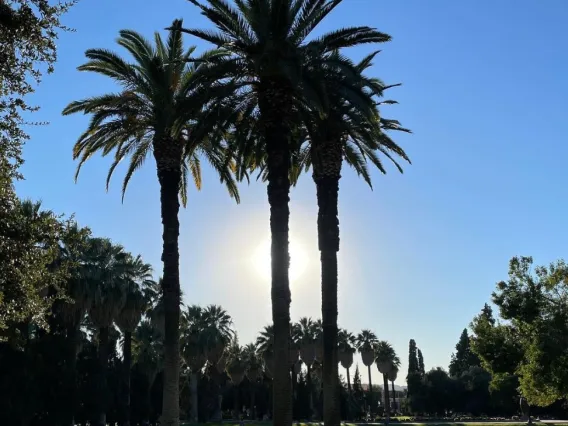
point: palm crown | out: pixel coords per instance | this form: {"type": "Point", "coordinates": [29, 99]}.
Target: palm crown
{"type": "Point", "coordinates": [158, 108]}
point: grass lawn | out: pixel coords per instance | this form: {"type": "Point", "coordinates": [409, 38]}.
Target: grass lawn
{"type": "Point", "coordinates": [232, 423]}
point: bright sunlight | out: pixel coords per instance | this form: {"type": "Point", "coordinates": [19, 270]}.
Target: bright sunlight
{"type": "Point", "coordinates": [298, 259]}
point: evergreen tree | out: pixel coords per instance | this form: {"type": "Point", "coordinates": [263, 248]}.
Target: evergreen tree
{"type": "Point", "coordinates": [421, 363]}
{"type": "Point", "coordinates": [358, 393]}
{"type": "Point", "coordinates": [412, 357]}
{"type": "Point", "coordinates": [487, 313]}
{"type": "Point", "coordinates": [464, 357]}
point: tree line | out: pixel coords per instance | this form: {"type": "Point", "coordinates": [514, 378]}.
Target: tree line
{"type": "Point", "coordinates": [97, 354]}
{"type": "Point", "coordinates": [512, 359]}
{"type": "Point", "coordinates": [268, 99]}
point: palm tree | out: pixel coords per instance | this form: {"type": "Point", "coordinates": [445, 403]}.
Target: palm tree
{"type": "Point", "coordinates": [159, 111]}
{"type": "Point", "coordinates": [236, 369]}
{"type": "Point", "coordinates": [127, 320]}
{"type": "Point", "coordinates": [253, 371]}
{"type": "Point", "coordinates": [392, 376]}
{"type": "Point", "coordinates": [218, 329]}
{"type": "Point", "coordinates": [105, 271]}
{"type": "Point", "coordinates": [265, 54]}
{"type": "Point", "coordinates": [147, 351]}
{"type": "Point", "coordinates": [194, 350]}
{"type": "Point", "coordinates": [366, 341]}
{"type": "Point", "coordinates": [305, 334]}
{"type": "Point", "coordinates": [265, 348]}
{"type": "Point", "coordinates": [72, 251]}
{"type": "Point", "coordinates": [386, 359]}
{"type": "Point", "coordinates": [346, 348]}
{"type": "Point", "coordinates": [350, 128]}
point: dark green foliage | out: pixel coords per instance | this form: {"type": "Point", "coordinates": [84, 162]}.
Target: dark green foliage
{"type": "Point", "coordinates": [412, 357]}
{"type": "Point", "coordinates": [464, 358]}
{"type": "Point", "coordinates": [421, 368]}
{"type": "Point", "coordinates": [532, 343]}
{"type": "Point", "coordinates": [28, 35]}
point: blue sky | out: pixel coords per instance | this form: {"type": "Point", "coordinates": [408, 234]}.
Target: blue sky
{"type": "Point", "coordinates": [485, 93]}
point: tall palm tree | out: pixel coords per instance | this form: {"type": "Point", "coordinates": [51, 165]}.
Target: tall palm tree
{"type": "Point", "coordinates": [105, 270]}
{"type": "Point", "coordinates": [386, 359]}
{"type": "Point", "coordinates": [366, 341]}
{"type": "Point", "coordinates": [349, 128]}
{"type": "Point", "coordinates": [266, 52]}
{"type": "Point", "coordinates": [159, 111]}
{"type": "Point", "coordinates": [137, 276]}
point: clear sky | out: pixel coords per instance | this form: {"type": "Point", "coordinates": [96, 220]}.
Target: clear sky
{"type": "Point", "coordinates": [485, 90]}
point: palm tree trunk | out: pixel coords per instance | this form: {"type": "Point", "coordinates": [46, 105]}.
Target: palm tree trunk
{"type": "Point", "coordinates": [127, 354]}
{"type": "Point", "coordinates": [310, 391]}
{"type": "Point", "coordinates": [370, 390]}
{"type": "Point", "coordinates": [350, 399]}
{"type": "Point", "coordinates": [327, 186]}
{"type": "Point", "coordinates": [386, 399]}
{"type": "Point", "coordinates": [168, 160]}
{"type": "Point", "coordinates": [71, 405]}
{"type": "Point", "coordinates": [393, 395]}
{"type": "Point", "coordinates": [252, 400]}
{"type": "Point", "coordinates": [100, 412]}
{"type": "Point", "coordinates": [275, 103]}
{"type": "Point", "coordinates": [294, 388]}
{"type": "Point", "coordinates": [193, 378]}
{"type": "Point", "coordinates": [236, 408]}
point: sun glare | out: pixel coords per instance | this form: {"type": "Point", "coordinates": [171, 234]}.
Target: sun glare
{"type": "Point", "coordinates": [298, 260]}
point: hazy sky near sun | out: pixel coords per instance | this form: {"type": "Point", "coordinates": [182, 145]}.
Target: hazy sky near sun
{"type": "Point", "coordinates": [485, 91]}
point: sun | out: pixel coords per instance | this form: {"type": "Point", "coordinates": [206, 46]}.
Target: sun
{"type": "Point", "coordinates": [260, 260]}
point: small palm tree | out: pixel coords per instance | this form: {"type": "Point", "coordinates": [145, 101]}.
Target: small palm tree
{"type": "Point", "coordinates": [366, 341]}
{"type": "Point", "coordinates": [265, 347]}
{"type": "Point", "coordinates": [346, 346]}
{"type": "Point", "coordinates": [386, 358]}
{"type": "Point", "coordinates": [72, 251]}
{"type": "Point", "coordinates": [236, 370]}
{"type": "Point", "coordinates": [147, 351]}
{"type": "Point", "coordinates": [138, 275]}
{"type": "Point", "coordinates": [392, 376]}
{"type": "Point", "coordinates": [253, 372]}
{"type": "Point", "coordinates": [160, 111]}
{"type": "Point", "coordinates": [104, 269]}
{"type": "Point", "coordinates": [194, 350]}
{"type": "Point", "coordinates": [305, 333]}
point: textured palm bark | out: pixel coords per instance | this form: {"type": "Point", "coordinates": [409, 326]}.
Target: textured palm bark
{"type": "Point", "coordinates": [310, 391]}
{"type": "Point", "coordinates": [194, 378]}
{"type": "Point", "coordinates": [127, 364]}
{"type": "Point", "coordinates": [370, 393]}
{"type": "Point", "coordinates": [393, 395]}
{"type": "Point", "coordinates": [327, 159]}
{"type": "Point", "coordinates": [168, 160]}
{"type": "Point", "coordinates": [102, 391]}
{"type": "Point", "coordinates": [275, 100]}
{"type": "Point", "coordinates": [350, 393]}
{"type": "Point", "coordinates": [386, 398]}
